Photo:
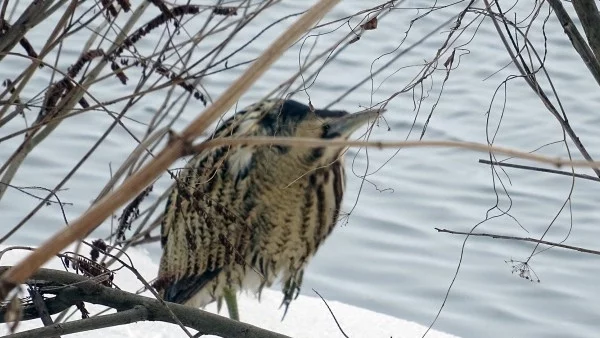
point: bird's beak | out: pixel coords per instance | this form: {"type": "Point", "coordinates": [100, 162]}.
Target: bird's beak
{"type": "Point", "coordinates": [344, 126]}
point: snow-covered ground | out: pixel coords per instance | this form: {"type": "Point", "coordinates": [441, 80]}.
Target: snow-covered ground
{"type": "Point", "coordinates": [307, 316]}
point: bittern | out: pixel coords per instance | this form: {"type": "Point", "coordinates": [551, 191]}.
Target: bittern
{"type": "Point", "coordinates": [242, 216]}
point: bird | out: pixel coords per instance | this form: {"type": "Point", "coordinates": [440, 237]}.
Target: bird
{"type": "Point", "coordinates": [241, 217]}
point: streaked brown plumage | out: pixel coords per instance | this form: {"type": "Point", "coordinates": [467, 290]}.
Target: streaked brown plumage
{"type": "Point", "coordinates": [239, 217]}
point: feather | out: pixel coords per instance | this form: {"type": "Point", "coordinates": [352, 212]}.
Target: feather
{"type": "Point", "coordinates": [240, 161]}
{"type": "Point", "coordinates": [185, 288]}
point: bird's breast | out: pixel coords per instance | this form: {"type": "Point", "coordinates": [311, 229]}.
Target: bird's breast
{"type": "Point", "coordinates": [293, 210]}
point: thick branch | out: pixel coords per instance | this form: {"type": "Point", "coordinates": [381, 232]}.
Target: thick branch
{"type": "Point", "coordinates": [576, 39]}
{"type": "Point", "coordinates": [138, 313]}
{"type": "Point", "coordinates": [524, 239]}
{"type": "Point", "coordinates": [79, 288]}
{"type": "Point", "coordinates": [590, 20]}
{"type": "Point", "coordinates": [53, 305]}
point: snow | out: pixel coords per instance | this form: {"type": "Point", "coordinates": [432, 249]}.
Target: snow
{"type": "Point", "coordinates": [307, 316]}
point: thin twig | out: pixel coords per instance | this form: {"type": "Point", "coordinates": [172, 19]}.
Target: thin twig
{"type": "Point", "coordinates": [40, 305]}
{"type": "Point", "coordinates": [145, 240]}
{"type": "Point", "coordinates": [544, 170]}
{"type": "Point", "coordinates": [524, 239]}
{"type": "Point", "coordinates": [330, 311]}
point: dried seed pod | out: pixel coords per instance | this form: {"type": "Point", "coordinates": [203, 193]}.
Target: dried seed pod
{"type": "Point", "coordinates": [227, 11]}
{"type": "Point", "coordinates": [370, 25]}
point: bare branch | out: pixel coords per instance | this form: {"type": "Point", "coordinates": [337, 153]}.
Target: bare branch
{"type": "Point", "coordinates": [524, 239]}
{"type": "Point", "coordinates": [587, 11]}
{"type": "Point", "coordinates": [544, 170]}
{"type": "Point", "coordinates": [138, 313]}
{"type": "Point", "coordinates": [79, 288]}
{"type": "Point", "coordinates": [40, 305]}
{"type": "Point", "coordinates": [576, 39]}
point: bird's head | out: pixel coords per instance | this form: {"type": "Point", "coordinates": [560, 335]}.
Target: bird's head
{"type": "Point", "coordinates": [290, 118]}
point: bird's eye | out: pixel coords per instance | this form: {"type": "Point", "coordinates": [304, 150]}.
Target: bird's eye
{"type": "Point", "coordinates": [325, 129]}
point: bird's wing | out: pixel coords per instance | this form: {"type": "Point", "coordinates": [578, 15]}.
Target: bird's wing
{"type": "Point", "coordinates": [202, 232]}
